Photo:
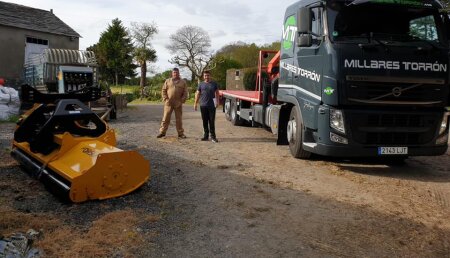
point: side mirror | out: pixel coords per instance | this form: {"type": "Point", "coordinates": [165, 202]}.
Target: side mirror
{"type": "Point", "coordinates": [304, 40]}
{"type": "Point", "coordinates": [304, 20]}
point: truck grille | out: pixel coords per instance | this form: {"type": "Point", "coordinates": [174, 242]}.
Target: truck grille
{"type": "Point", "coordinates": [393, 129]}
{"type": "Point", "coordinates": [395, 93]}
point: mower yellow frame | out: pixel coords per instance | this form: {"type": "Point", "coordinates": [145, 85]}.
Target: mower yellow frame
{"type": "Point", "coordinates": [94, 168]}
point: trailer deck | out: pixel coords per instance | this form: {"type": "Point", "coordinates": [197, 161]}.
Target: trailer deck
{"type": "Point", "coordinates": [252, 96]}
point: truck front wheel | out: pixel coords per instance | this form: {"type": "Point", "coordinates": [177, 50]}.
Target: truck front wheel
{"type": "Point", "coordinates": [295, 135]}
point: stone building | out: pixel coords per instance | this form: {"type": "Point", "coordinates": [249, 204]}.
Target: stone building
{"type": "Point", "coordinates": [235, 79]}
{"type": "Point", "coordinates": [25, 32]}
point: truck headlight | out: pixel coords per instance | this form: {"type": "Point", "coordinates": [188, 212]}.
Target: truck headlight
{"type": "Point", "coordinates": [443, 124]}
{"type": "Point", "coordinates": [337, 120]}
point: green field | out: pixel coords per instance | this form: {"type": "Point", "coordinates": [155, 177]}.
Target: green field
{"type": "Point", "coordinates": [134, 90]}
{"type": "Point", "coordinates": [124, 89]}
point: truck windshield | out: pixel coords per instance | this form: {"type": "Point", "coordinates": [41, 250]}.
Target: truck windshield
{"type": "Point", "coordinates": [381, 22]}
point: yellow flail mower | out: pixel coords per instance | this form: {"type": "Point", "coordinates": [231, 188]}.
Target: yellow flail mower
{"type": "Point", "coordinates": [72, 151]}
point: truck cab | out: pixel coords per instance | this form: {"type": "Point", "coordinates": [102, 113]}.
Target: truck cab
{"type": "Point", "coordinates": [358, 78]}
{"type": "Point", "coordinates": [365, 78]}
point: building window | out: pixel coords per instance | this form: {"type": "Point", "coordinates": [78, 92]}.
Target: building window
{"type": "Point", "coordinates": [37, 41]}
{"type": "Point", "coordinates": [237, 75]}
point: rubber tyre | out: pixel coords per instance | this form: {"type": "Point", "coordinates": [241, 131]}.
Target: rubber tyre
{"type": "Point", "coordinates": [296, 144]}
{"type": "Point", "coordinates": [235, 119]}
{"type": "Point", "coordinates": [227, 109]}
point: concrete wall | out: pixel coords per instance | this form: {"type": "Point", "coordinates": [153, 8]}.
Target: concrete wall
{"type": "Point", "coordinates": [12, 50]}
{"type": "Point", "coordinates": [236, 82]}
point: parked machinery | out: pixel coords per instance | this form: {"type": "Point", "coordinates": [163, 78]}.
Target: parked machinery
{"type": "Point", "coordinates": [67, 146]}
{"type": "Point", "coordinates": [345, 86]}
{"type": "Point", "coordinates": [64, 71]}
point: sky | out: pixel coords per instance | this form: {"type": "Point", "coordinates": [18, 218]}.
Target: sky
{"type": "Point", "coordinates": [226, 21]}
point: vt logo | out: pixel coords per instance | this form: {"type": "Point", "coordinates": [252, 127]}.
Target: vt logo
{"type": "Point", "coordinates": [328, 90]}
{"type": "Point", "coordinates": [289, 31]}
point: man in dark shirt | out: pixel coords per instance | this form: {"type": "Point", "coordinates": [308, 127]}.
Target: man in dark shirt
{"type": "Point", "coordinates": [208, 94]}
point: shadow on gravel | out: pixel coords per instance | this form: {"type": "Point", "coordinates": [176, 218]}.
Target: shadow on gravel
{"type": "Point", "coordinates": [153, 114]}
{"type": "Point", "coordinates": [413, 168]}
{"type": "Point", "coordinates": [218, 211]}
{"type": "Point", "coordinates": [213, 211]}
{"type": "Point", "coordinates": [247, 139]}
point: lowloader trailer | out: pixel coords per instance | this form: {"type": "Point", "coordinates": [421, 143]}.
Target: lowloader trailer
{"type": "Point", "coordinates": [355, 78]}
{"type": "Point", "coordinates": [72, 151]}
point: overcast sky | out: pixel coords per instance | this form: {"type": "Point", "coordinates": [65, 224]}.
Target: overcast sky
{"type": "Point", "coordinates": [226, 21]}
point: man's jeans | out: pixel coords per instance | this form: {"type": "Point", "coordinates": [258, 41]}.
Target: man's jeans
{"type": "Point", "coordinates": [209, 118]}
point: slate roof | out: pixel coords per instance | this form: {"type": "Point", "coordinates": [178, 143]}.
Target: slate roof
{"type": "Point", "coordinates": [25, 17]}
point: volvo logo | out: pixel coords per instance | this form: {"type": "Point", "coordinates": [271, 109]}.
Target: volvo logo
{"type": "Point", "coordinates": [397, 91]}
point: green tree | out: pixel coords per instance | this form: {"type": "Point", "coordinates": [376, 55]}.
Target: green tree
{"type": "Point", "coordinates": [272, 46]}
{"type": "Point", "coordinates": [143, 53]}
{"type": "Point", "coordinates": [245, 54]}
{"type": "Point", "coordinates": [114, 53]}
{"type": "Point", "coordinates": [158, 79]}
{"type": "Point", "coordinates": [156, 82]}
{"type": "Point", "coordinates": [219, 73]}
{"type": "Point", "coordinates": [240, 55]}
{"type": "Point", "coordinates": [250, 78]}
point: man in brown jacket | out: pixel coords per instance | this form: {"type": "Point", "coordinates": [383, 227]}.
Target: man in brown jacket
{"type": "Point", "coordinates": [174, 94]}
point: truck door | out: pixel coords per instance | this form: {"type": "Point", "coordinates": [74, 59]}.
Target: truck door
{"type": "Point", "coordinates": [309, 62]}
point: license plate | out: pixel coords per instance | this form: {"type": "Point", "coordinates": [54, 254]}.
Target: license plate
{"type": "Point", "coordinates": [392, 150]}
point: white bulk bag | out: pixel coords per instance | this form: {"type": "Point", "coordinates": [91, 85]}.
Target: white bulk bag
{"type": "Point", "coordinates": [4, 112]}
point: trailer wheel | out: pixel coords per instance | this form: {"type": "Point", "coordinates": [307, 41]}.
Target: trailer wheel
{"type": "Point", "coordinates": [227, 109]}
{"type": "Point", "coordinates": [295, 135]}
{"type": "Point", "coordinates": [235, 119]}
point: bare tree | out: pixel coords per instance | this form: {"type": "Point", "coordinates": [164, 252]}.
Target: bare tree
{"type": "Point", "coordinates": [144, 53]}
{"type": "Point", "coordinates": [190, 48]}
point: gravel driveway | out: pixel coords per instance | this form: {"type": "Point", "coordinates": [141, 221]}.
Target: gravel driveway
{"type": "Point", "coordinates": [242, 197]}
